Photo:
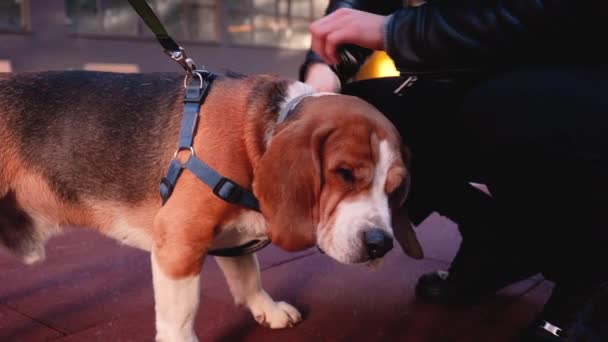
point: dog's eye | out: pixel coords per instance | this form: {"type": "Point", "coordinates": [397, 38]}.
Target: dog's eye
{"type": "Point", "coordinates": [346, 174]}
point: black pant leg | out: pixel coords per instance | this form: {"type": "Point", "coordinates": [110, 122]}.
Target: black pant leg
{"type": "Point", "coordinates": [539, 135]}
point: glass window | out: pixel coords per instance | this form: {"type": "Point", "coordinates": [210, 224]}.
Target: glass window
{"type": "Point", "coordinates": [11, 14]}
{"type": "Point", "coordinates": [117, 17]}
{"type": "Point", "coordinates": [319, 7]}
{"type": "Point", "coordinates": [82, 15]}
{"type": "Point", "coordinates": [183, 19]}
{"type": "Point", "coordinates": [280, 23]}
{"type": "Point", "coordinates": [190, 19]}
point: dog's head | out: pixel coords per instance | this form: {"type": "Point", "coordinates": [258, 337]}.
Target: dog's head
{"type": "Point", "coordinates": [331, 177]}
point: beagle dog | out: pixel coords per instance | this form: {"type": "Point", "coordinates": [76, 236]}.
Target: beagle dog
{"type": "Point", "coordinates": [88, 149]}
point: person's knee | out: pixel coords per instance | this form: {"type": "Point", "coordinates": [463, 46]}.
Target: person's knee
{"type": "Point", "coordinates": [501, 115]}
{"type": "Point", "coordinates": [521, 115]}
{"type": "Point", "coordinates": [547, 111]}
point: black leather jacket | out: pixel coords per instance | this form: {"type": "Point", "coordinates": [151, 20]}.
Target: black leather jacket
{"type": "Point", "coordinates": [452, 35]}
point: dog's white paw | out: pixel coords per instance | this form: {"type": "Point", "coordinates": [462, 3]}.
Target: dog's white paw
{"type": "Point", "coordinates": [274, 315]}
{"type": "Point", "coordinates": [176, 338]}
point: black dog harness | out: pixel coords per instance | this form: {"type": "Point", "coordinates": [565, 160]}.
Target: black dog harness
{"type": "Point", "coordinates": [197, 84]}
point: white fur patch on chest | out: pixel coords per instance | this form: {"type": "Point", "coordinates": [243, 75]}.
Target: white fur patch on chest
{"type": "Point", "coordinates": [248, 226]}
{"type": "Point", "coordinates": [294, 90]}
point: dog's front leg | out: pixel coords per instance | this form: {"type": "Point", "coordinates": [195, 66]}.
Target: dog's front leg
{"type": "Point", "coordinates": [176, 299]}
{"type": "Point", "coordinates": [243, 277]}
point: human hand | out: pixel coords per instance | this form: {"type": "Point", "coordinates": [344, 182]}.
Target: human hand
{"type": "Point", "coordinates": [322, 78]}
{"type": "Point", "coordinates": [346, 26]}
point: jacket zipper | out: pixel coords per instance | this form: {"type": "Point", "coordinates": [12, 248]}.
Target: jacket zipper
{"type": "Point", "coordinates": [412, 77]}
{"type": "Point", "coordinates": [409, 81]}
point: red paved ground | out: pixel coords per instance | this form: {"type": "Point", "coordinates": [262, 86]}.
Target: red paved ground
{"type": "Point", "coordinates": [92, 289]}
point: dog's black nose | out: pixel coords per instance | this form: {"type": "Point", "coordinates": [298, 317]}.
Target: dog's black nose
{"type": "Point", "coordinates": [377, 243]}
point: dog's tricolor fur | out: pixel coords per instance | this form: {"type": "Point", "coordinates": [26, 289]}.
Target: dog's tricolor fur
{"type": "Point", "coordinates": [88, 149]}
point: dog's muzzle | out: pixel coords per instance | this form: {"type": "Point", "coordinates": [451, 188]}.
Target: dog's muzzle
{"type": "Point", "coordinates": [377, 243]}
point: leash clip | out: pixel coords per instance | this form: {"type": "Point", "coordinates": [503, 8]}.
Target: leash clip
{"type": "Point", "coordinates": [182, 59]}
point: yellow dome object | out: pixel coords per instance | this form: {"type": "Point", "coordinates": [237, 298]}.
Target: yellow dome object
{"type": "Point", "coordinates": [379, 64]}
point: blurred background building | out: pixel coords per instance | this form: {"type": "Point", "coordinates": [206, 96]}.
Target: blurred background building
{"type": "Point", "coordinates": [251, 36]}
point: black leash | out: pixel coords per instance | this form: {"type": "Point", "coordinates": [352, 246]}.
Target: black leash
{"type": "Point", "coordinates": [172, 49]}
{"type": "Point", "coordinates": [197, 84]}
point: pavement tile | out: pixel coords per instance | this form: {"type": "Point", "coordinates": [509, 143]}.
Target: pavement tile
{"type": "Point", "coordinates": [493, 320]}
{"type": "Point", "coordinates": [139, 325]}
{"type": "Point", "coordinates": [17, 327]}
{"type": "Point", "coordinates": [88, 279]}
{"type": "Point", "coordinates": [273, 255]}
{"type": "Point", "coordinates": [346, 303]}
{"type": "Point", "coordinates": [216, 321]}
{"type": "Point", "coordinates": [84, 280]}
{"type": "Point", "coordinates": [94, 289]}
{"type": "Point", "coordinates": [439, 238]}
{"type": "Point", "coordinates": [520, 312]}
{"type": "Point", "coordinates": [328, 294]}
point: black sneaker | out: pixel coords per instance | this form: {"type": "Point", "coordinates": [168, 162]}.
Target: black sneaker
{"type": "Point", "coordinates": [477, 272]}
{"type": "Point", "coordinates": [435, 288]}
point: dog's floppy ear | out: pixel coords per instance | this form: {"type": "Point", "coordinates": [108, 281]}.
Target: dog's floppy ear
{"type": "Point", "coordinates": [288, 181]}
{"type": "Point", "coordinates": [405, 234]}
{"type": "Point", "coordinates": [402, 226]}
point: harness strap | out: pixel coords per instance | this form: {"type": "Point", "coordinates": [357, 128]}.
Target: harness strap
{"type": "Point", "coordinates": [197, 84]}
{"type": "Point", "coordinates": [194, 96]}
{"type": "Point", "coordinates": [167, 183]}
{"type": "Point", "coordinates": [226, 189]}
{"type": "Point", "coordinates": [244, 249]}
{"type": "Point", "coordinates": [223, 187]}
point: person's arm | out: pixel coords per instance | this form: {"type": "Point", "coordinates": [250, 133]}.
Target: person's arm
{"type": "Point", "coordinates": [467, 33]}
{"type": "Point", "coordinates": [317, 72]}
{"type": "Point", "coordinates": [473, 32]}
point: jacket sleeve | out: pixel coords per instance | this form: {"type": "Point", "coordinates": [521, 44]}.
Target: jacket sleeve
{"type": "Point", "coordinates": [466, 33]}
{"type": "Point", "coordinates": [348, 70]}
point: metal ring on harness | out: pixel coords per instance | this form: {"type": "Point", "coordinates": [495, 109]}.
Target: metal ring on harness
{"type": "Point", "coordinates": [179, 149]}
{"type": "Point", "coordinates": [188, 75]}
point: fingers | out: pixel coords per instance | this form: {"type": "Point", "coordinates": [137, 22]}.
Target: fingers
{"type": "Point", "coordinates": [340, 13]}
{"type": "Point", "coordinates": [322, 28]}
{"type": "Point", "coordinates": [333, 40]}
{"type": "Point", "coordinates": [346, 26]}
{"type": "Point", "coordinates": [317, 43]}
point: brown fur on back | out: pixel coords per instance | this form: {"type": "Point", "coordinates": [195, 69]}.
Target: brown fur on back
{"type": "Point", "coordinates": [96, 135]}
{"type": "Point", "coordinates": [90, 148]}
